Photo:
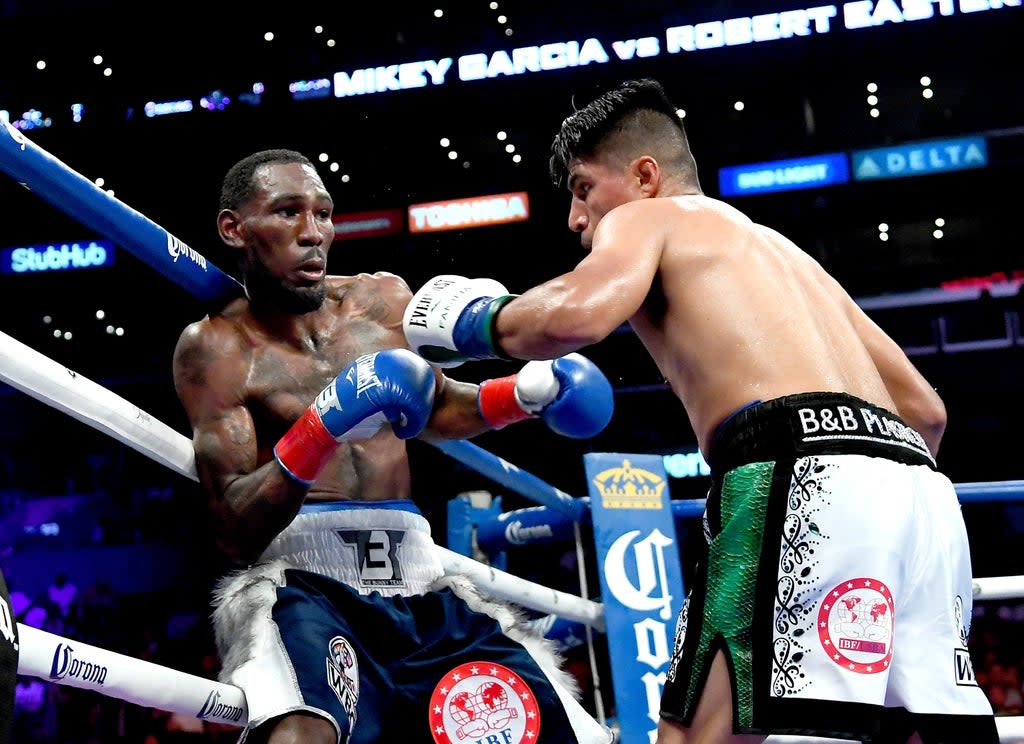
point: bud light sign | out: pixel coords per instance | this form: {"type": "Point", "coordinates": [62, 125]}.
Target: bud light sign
{"type": "Point", "coordinates": [34, 259]}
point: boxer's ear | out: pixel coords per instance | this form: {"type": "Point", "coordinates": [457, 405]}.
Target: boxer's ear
{"type": "Point", "coordinates": [228, 222]}
{"type": "Point", "coordinates": [648, 172]}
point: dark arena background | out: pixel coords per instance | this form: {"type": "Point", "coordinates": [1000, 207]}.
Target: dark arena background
{"type": "Point", "coordinates": [885, 138]}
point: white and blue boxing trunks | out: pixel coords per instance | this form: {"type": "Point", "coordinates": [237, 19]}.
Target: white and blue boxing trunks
{"type": "Point", "coordinates": [348, 616]}
{"type": "Point", "coordinates": [837, 581]}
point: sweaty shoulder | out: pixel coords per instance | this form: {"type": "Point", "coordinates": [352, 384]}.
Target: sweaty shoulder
{"type": "Point", "coordinates": [381, 296]}
{"type": "Point", "coordinates": [218, 336]}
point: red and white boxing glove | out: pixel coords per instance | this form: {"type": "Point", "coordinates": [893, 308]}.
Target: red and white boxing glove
{"type": "Point", "coordinates": [570, 394]}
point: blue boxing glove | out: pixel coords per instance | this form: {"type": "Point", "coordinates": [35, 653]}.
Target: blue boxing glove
{"type": "Point", "coordinates": [393, 386]}
{"type": "Point", "coordinates": [451, 319]}
{"type": "Point", "coordinates": [570, 394]}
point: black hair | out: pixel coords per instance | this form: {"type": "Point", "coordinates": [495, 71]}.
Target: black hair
{"type": "Point", "coordinates": [238, 187]}
{"type": "Point", "coordinates": [638, 116]}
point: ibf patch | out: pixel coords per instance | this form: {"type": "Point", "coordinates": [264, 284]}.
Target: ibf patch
{"type": "Point", "coordinates": [855, 625]}
{"type": "Point", "coordinates": [343, 675]}
{"type": "Point", "coordinates": [481, 701]}
{"type": "Point", "coordinates": [376, 554]}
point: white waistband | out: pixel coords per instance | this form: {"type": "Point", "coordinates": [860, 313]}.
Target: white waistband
{"type": "Point", "coordinates": [386, 548]}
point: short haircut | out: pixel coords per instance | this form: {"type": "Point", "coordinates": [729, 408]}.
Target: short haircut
{"type": "Point", "coordinates": [238, 187]}
{"type": "Point", "coordinates": [633, 119]}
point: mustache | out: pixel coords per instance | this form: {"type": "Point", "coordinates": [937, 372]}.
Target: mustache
{"type": "Point", "coordinates": [314, 253]}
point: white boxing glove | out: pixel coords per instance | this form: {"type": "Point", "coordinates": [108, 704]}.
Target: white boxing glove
{"type": "Point", "coordinates": [450, 319]}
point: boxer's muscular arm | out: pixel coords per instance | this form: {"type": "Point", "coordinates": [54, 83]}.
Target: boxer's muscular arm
{"type": "Point", "coordinates": [456, 414]}
{"type": "Point", "coordinates": [570, 395]}
{"type": "Point", "coordinates": [916, 400]}
{"type": "Point", "coordinates": [585, 305]}
{"type": "Point", "coordinates": [250, 503]}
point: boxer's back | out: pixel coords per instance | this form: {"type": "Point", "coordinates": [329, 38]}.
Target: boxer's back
{"type": "Point", "coordinates": [739, 313]}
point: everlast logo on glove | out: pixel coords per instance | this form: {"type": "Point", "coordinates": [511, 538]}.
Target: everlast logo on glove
{"type": "Point", "coordinates": [426, 302]}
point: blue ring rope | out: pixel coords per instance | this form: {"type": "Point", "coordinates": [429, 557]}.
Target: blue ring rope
{"type": "Point", "coordinates": [71, 192]}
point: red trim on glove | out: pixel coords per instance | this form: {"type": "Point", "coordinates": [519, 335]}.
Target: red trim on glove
{"type": "Point", "coordinates": [498, 404]}
{"type": "Point", "coordinates": [306, 447]}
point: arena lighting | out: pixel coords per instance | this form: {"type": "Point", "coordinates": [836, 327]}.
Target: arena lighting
{"type": "Point", "coordinates": [153, 108]}
{"type": "Point", "coordinates": [31, 119]}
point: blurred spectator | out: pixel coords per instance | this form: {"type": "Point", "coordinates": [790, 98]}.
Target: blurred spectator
{"type": "Point", "coordinates": [20, 602]}
{"type": "Point", "coordinates": [62, 593]}
{"type": "Point", "coordinates": [29, 710]}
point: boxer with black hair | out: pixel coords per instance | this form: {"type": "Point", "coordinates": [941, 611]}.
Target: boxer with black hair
{"type": "Point", "coordinates": [339, 624]}
{"type": "Point", "coordinates": [820, 433]}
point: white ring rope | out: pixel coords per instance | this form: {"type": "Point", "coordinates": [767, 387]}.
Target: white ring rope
{"type": "Point", "coordinates": [91, 403]}
{"type": "Point", "coordinates": [999, 587]}
{"type": "Point", "coordinates": [66, 662]}
{"type": "Point", "coordinates": [144, 683]}
{"type": "Point", "coordinates": [66, 390]}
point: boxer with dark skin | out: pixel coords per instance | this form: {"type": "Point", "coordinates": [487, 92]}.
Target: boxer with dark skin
{"type": "Point", "coordinates": [247, 374]}
{"type": "Point", "coordinates": [780, 374]}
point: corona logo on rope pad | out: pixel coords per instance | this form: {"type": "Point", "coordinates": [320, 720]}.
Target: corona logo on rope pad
{"type": "Point", "coordinates": [483, 701]}
{"type": "Point", "coordinates": [627, 487]}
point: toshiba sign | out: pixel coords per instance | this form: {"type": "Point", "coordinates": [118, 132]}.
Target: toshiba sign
{"type": "Point", "coordinates": [475, 211]}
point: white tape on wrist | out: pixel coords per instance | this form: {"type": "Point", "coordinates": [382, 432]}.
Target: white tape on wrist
{"type": "Point", "coordinates": [536, 386]}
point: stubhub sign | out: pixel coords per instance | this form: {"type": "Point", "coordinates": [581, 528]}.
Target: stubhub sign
{"type": "Point", "coordinates": [37, 258]}
{"type": "Point", "coordinates": [784, 175]}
